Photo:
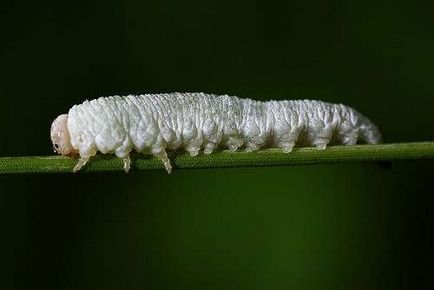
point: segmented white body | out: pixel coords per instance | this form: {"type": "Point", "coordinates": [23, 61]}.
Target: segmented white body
{"type": "Point", "coordinates": [153, 123]}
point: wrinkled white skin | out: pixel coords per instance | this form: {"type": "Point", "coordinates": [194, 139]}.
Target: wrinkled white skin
{"type": "Point", "coordinates": [194, 121]}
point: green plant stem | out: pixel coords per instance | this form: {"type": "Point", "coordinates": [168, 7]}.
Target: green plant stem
{"type": "Point", "coordinates": [225, 158]}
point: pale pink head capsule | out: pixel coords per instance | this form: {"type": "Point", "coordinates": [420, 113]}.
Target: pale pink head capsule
{"type": "Point", "coordinates": [60, 136]}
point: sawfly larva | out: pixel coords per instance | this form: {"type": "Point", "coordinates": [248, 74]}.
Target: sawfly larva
{"type": "Point", "coordinates": [154, 123]}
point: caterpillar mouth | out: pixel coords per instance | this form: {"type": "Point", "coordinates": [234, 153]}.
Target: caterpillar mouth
{"type": "Point", "coordinates": [73, 153]}
{"type": "Point", "coordinates": [64, 151]}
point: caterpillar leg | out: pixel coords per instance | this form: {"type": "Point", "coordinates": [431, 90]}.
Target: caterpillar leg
{"type": "Point", "coordinates": [255, 143]}
{"type": "Point", "coordinates": [81, 162]}
{"type": "Point", "coordinates": [86, 151]}
{"type": "Point", "coordinates": [234, 143]}
{"type": "Point", "coordinates": [322, 139]}
{"type": "Point", "coordinates": [286, 141]}
{"type": "Point", "coordinates": [321, 143]}
{"type": "Point", "coordinates": [127, 163]}
{"type": "Point", "coordinates": [209, 148]}
{"type": "Point", "coordinates": [193, 146]}
{"type": "Point", "coordinates": [251, 147]}
{"type": "Point", "coordinates": [192, 150]}
{"type": "Point", "coordinates": [124, 154]}
{"type": "Point", "coordinates": [350, 138]}
{"type": "Point", "coordinates": [165, 159]}
{"type": "Point", "coordinates": [348, 134]}
{"type": "Point", "coordinates": [286, 146]}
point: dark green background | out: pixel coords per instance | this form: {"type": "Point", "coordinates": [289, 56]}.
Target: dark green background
{"type": "Point", "coordinates": [354, 226]}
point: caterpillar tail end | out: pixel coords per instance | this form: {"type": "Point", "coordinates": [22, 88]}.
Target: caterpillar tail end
{"type": "Point", "coordinates": [372, 136]}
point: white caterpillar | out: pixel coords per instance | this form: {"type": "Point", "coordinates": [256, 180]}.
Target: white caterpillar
{"type": "Point", "coordinates": [153, 123]}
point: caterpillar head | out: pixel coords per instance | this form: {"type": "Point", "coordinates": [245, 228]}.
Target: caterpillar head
{"type": "Point", "coordinates": [60, 136]}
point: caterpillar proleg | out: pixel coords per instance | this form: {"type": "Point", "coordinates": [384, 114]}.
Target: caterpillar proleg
{"type": "Point", "coordinates": [154, 123]}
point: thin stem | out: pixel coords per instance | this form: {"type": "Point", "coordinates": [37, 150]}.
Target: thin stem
{"type": "Point", "coordinates": [225, 158]}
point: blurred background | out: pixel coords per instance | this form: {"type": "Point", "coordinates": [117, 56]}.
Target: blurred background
{"type": "Point", "coordinates": [305, 227]}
